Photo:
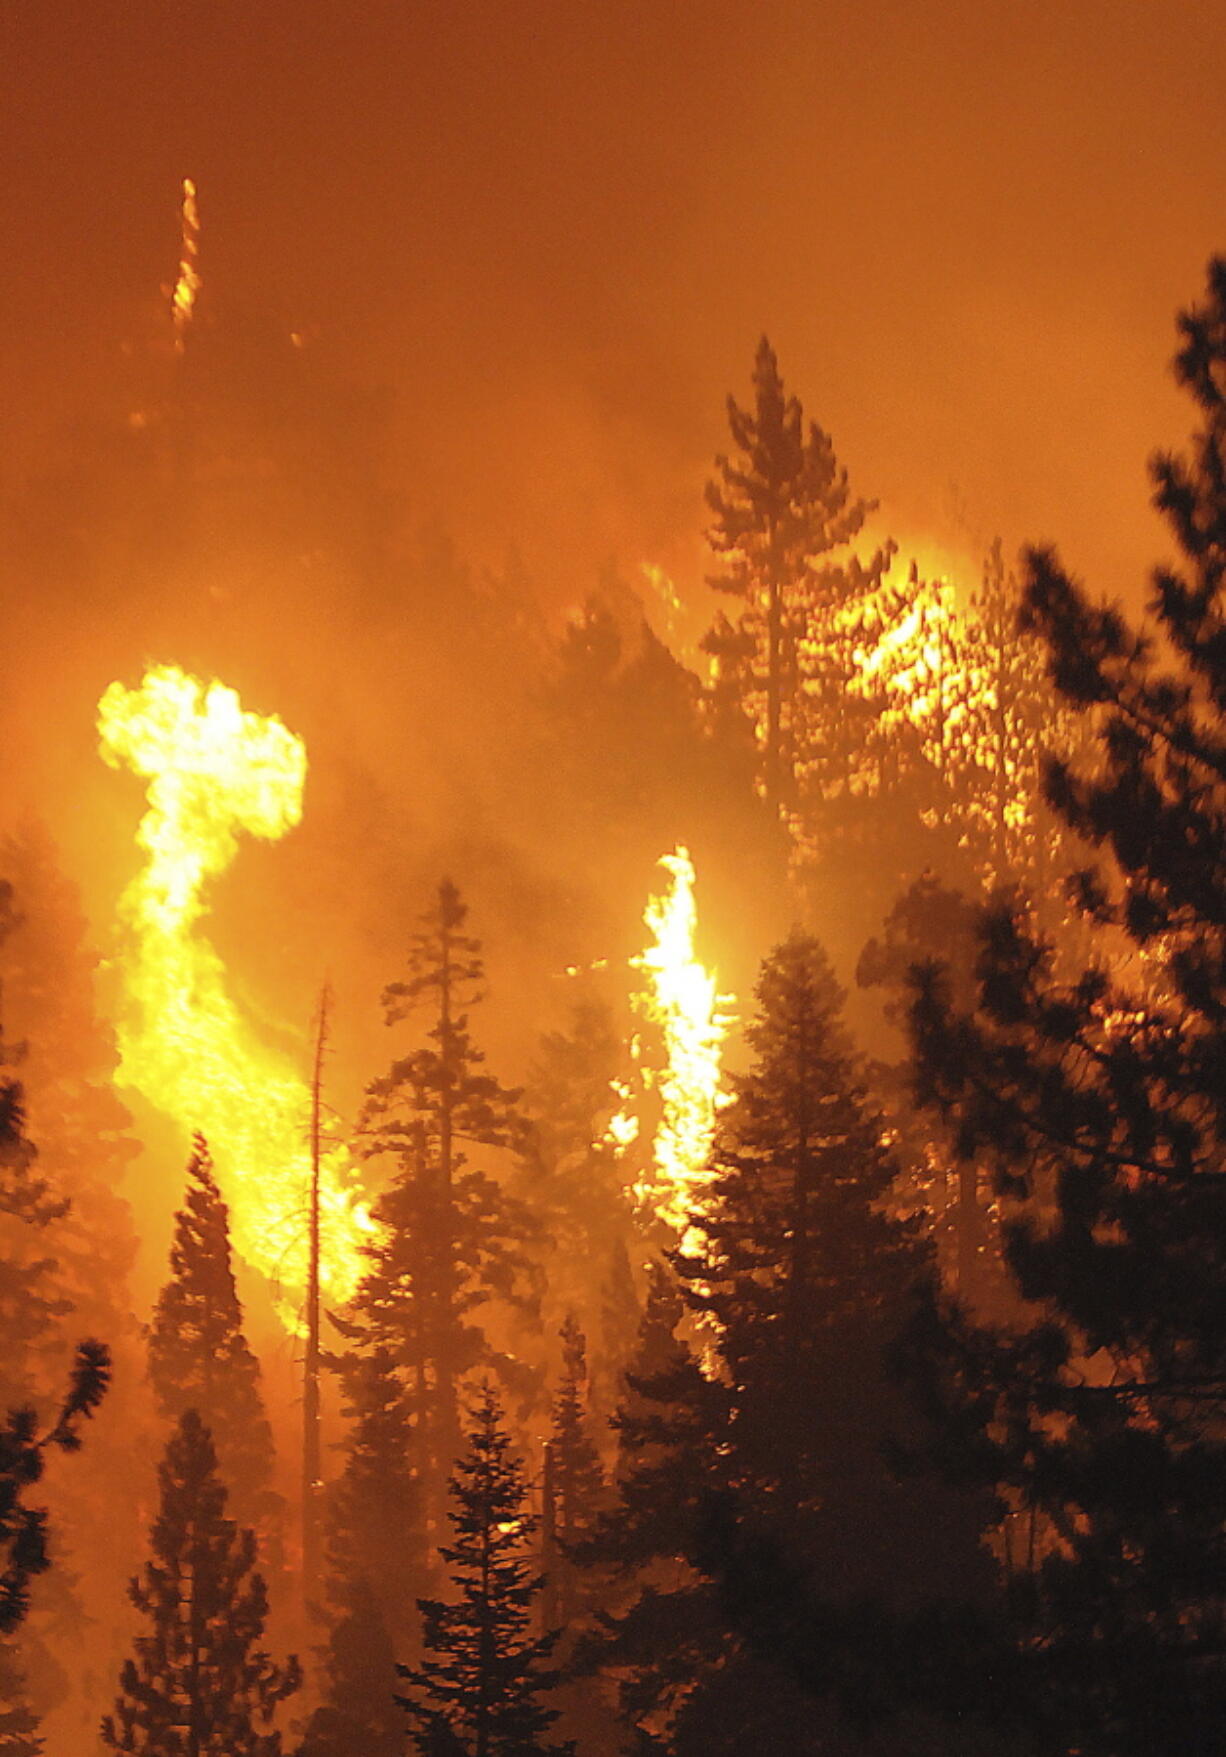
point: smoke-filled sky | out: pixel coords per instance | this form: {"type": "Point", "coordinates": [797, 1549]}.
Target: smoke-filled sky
{"type": "Point", "coordinates": [554, 232]}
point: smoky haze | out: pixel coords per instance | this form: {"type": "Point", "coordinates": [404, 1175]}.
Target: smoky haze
{"type": "Point", "coordinates": [476, 282]}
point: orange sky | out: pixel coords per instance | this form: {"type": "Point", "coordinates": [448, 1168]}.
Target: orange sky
{"type": "Point", "coordinates": [554, 232]}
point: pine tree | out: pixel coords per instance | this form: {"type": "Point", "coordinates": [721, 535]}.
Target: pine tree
{"type": "Point", "coordinates": [779, 508]}
{"type": "Point", "coordinates": [374, 1549]}
{"type": "Point", "coordinates": [451, 1238]}
{"type": "Point", "coordinates": [23, 1530]}
{"type": "Point", "coordinates": [31, 1305]}
{"type": "Point", "coordinates": [570, 1176]}
{"type": "Point", "coordinates": [199, 1357]}
{"type": "Point", "coordinates": [483, 1674]}
{"type": "Point", "coordinates": [358, 1716]}
{"type": "Point", "coordinates": [1102, 1417]}
{"type": "Point", "coordinates": [575, 1489]}
{"type": "Point", "coordinates": [199, 1684]}
{"type": "Point", "coordinates": [803, 1285]}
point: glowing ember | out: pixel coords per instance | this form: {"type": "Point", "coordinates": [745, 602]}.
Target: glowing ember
{"type": "Point", "coordinates": [682, 999]}
{"type": "Point", "coordinates": [183, 297]}
{"type": "Point", "coordinates": [214, 772]}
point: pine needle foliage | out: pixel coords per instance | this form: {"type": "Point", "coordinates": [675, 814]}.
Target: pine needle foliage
{"type": "Point", "coordinates": [199, 1357]}
{"type": "Point", "coordinates": [451, 1239]}
{"type": "Point", "coordinates": [200, 1684]}
{"type": "Point", "coordinates": [483, 1673]}
{"type": "Point", "coordinates": [1101, 1104]}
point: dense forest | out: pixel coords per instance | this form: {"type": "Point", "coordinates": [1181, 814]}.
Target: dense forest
{"type": "Point", "coordinates": [750, 1279]}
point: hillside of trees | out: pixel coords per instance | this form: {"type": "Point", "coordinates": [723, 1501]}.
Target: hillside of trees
{"type": "Point", "coordinates": [841, 1378]}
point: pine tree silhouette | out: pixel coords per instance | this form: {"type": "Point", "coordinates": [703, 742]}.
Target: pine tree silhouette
{"type": "Point", "coordinates": [198, 1355]}
{"type": "Point", "coordinates": [483, 1673]}
{"type": "Point", "coordinates": [199, 1684]}
{"type": "Point", "coordinates": [1099, 1103]}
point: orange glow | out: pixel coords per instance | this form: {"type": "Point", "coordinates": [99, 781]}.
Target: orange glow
{"type": "Point", "coordinates": [187, 286]}
{"type": "Point", "coordinates": [215, 771]}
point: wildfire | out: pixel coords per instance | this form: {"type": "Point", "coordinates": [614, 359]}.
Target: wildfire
{"type": "Point", "coordinates": [187, 286]}
{"type": "Point", "coordinates": [682, 998]}
{"type": "Point", "coordinates": [215, 771]}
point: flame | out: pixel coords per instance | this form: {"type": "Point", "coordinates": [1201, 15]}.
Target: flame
{"type": "Point", "coordinates": [183, 297]}
{"type": "Point", "coordinates": [215, 771]}
{"type": "Point", "coordinates": [681, 997]}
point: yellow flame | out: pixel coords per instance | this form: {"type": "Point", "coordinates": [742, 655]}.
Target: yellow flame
{"type": "Point", "coordinates": [682, 998]}
{"type": "Point", "coordinates": [215, 771]}
{"type": "Point", "coordinates": [187, 286]}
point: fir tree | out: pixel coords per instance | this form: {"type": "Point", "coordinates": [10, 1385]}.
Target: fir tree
{"type": "Point", "coordinates": [1102, 1417]}
{"type": "Point", "coordinates": [483, 1674]}
{"type": "Point", "coordinates": [199, 1357]}
{"type": "Point", "coordinates": [23, 1529]}
{"type": "Point", "coordinates": [374, 1547]}
{"type": "Point", "coordinates": [358, 1716]}
{"type": "Point", "coordinates": [781, 506]}
{"type": "Point", "coordinates": [574, 1483]}
{"type": "Point", "coordinates": [199, 1685]}
{"type": "Point", "coordinates": [451, 1239]}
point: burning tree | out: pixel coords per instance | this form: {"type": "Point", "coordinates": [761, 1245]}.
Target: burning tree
{"type": "Point", "coordinates": [1104, 1415]}
{"type": "Point", "coordinates": [483, 1673]}
{"type": "Point", "coordinates": [783, 510]}
{"type": "Point", "coordinates": [199, 1685]}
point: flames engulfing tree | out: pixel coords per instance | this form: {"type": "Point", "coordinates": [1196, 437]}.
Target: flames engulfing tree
{"type": "Point", "coordinates": [450, 1236]}
{"type": "Point", "coordinates": [198, 1355]}
{"type": "Point", "coordinates": [780, 506]}
{"type": "Point", "coordinates": [1107, 1416]}
{"type": "Point", "coordinates": [199, 1685]}
{"type": "Point", "coordinates": [483, 1674]}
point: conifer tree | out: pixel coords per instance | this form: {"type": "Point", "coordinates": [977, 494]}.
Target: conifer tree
{"type": "Point", "coordinates": [199, 1684]}
{"type": "Point", "coordinates": [483, 1673]}
{"type": "Point", "coordinates": [570, 1176]}
{"type": "Point", "coordinates": [575, 1482]}
{"type": "Point", "coordinates": [451, 1238]}
{"type": "Point", "coordinates": [780, 507]}
{"type": "Point", "coordinates": [1103, 1414]}
{"type": "Point", "coordinates": [358, 1716]}
{"type": "Point", "coordinates": [199, 1357]}
{"type": "Point", "coordinates": [374, 1550]}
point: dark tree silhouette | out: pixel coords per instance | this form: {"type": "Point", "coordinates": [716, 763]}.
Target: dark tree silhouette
{"type": "Point", "coordinates": [1100, 1103]}
{"type": "Point", "coordinates": [23, 1529]}
{"type": "Point", "coordinates": [574, 1483]}
{"type": "Point", "coordinates": [375, 1567]}
{"type": "Point", "coordinates": [199, 1684]}
{"type": "Point", "coordinates": [452, 1239]}
{"type": "Point", "coordinates": [781, 505]}
{"type": "Point", "coordinates": [199, 1357]}
{"type": "Point", "coordinates": [483, 1673]}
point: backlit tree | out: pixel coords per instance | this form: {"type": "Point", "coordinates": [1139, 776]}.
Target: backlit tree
{"type": "Point", "coordinates": [783, 512]}
{"type": "Point", "coordinates": [1104, 1416]}
{"type": "Point", "coordinates": [484, 1673]}
{"type": "Point", "coordinates": [199, 1684]}
{"type": "Point", "coordinates": [199, 1357]}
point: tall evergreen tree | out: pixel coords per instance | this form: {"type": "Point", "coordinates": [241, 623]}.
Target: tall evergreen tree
{"type": "Point", "coordinates": [199, 1357]}
{"type": "Point", "coordinates": [483, 1673]}
{"type": "Point", "coordinates": [1103, 1416]}
{"type": "Point", "coordinates": [574, 1483]}
{"type": "Point", "coordinates": [375, 1569]}
{"type": "Point", "coordinates": [451, 1238]}
{"type": "Point", "coordinates": [782, 510]}
{"type": "Point", "coordinates": [199, 1685]}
